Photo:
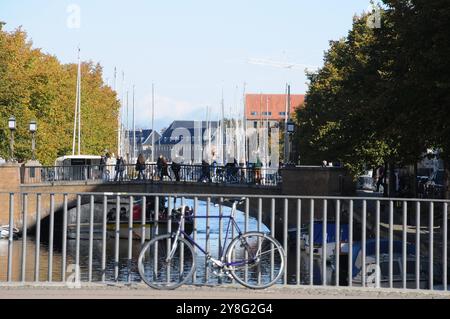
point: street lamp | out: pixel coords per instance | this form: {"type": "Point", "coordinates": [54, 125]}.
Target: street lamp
{"type": "Point", "coordinates": [290, 127]}
{"type": "Point", "coordinates": [12, 128]}
{"type": "Point", "coordinates": [33, 129]}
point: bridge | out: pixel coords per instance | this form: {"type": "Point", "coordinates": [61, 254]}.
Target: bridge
{"type": "Point", "coordinates": [43, 180]}
{"type": "Point", "coordinates": [414, 232]}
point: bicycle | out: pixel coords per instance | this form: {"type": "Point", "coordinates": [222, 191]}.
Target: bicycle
{"type": "Point", "coordinates": [254, 259]}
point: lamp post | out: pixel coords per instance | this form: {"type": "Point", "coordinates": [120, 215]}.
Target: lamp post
{"type": "Point", "coordinates": [290, 129]}
{"type": "Point", "coordinates": [12, 128]}
{"type": "Point", "coordinates": [33, 129]}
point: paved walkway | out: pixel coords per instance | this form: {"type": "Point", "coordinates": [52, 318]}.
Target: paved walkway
{"type": "Point", "coordinates": [139, 291]}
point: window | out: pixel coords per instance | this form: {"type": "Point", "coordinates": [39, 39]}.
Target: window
{"type": "Point", "coordinates": [254, 113]}
{"type": "Point", "coordinates": [255, 124]}
{"type": "Point", "coordinates": [267, 113]}
{"type": "Point", "coordinates": [282, 113]}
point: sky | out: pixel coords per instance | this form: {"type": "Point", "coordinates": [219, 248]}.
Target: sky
{"type": "Point", "coordinates": [191, 50]}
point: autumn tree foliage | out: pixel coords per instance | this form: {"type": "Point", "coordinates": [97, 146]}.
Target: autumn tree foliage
{"type": "Point", "coordinates": [383, 94]}
{"type": "Point", "coordinates": [36, 86]}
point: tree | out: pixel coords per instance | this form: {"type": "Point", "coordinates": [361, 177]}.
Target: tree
{"type": "Point", "coordinates": [383, 93]}
{"type": "Point", "coordinates": [37, 86]}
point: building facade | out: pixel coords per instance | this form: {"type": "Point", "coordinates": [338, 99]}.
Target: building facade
{"type": "Point", "coordinates": [261, 109]}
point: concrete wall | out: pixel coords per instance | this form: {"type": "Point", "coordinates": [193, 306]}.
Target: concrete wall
{"type": "Point", "coordinates": [9, 183]}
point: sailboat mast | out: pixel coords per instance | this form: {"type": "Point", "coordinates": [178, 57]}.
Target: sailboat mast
{"type": "Point", "coordinates": [79, 107]}
{"type": "Point", "coordinates": [118, 116]}
{"type": "Point", "coordinates": [134, 127]}
{"type": "Point", "coordinates": [76, 106]}
{"type": "Point", "coordinates": [153, 123]}
{"type": "Point", "coordinates": [222, 130]}
{"type": "Point", "coordinates": [127, 129]}
{"type": "Point", "coordinates": [244, 120]}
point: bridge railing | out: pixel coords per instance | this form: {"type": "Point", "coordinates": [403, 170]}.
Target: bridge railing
{"type": "Point", "coordinates": [153, 173]}
{"type": "Point", "coordinates": [328, 241]}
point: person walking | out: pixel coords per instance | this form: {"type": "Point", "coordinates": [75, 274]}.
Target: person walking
{"type": "Point", "coordinates": [381, 177]}
{"type": "Point", "coordinates": [165, 169]}
{"type": "Point", "coordinates": [120, 167]}
{"type": "Point", "coordinates": [140, 167]}
{"type": "Point", "coordinates": [176, 170]}
{"type": "Point", "coordinates": [159, 165]}
{"type": "Point", "coordinates": [258, 166]}
{"type": "Point", "coordinates": [206, 172]}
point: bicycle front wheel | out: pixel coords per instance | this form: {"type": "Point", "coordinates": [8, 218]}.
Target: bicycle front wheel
{"type": "Point", "coordinates": [256, 260]}
{"type": "Point", "coordinates": [165, 267]}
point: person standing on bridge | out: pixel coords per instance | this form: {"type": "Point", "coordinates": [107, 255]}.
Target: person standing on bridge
{"type": "Point", "coordinates": [176, 168]}
{"type": "Point", "coordinates": [120, 167]}
{"type": "Point", "coordinates": [140, 167]}
{"type": "Point", "coordinates": [159, 165]}
{"type": "Point", "coordinates": [165, 169]}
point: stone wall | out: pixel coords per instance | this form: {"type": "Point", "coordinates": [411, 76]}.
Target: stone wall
{"type": "Point", "coordinates": [9, 183]}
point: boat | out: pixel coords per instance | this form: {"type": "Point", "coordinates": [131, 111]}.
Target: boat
{"type": "Point", "coordinates": [5, 232]}
{"type": "Point", "coordinates": [318, 240]}
{"type": "Point", "coordinates": [397, 262]}
{"type": "Point", "coordinates": [161, 226]}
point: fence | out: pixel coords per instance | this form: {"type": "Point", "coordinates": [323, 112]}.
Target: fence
{"type": "Point", "coordinates": [329, 241]}
{"type": "Point", "coordinates": [151, 172]}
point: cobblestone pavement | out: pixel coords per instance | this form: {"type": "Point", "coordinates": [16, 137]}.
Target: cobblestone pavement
{"type": "Point", "coordinates": [113, 291]}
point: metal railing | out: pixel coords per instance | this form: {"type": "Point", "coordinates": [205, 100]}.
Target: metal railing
{"type": "Point", "coordinates": [329, 241]}
{"type": "Point", "coordinates": [152, 173]}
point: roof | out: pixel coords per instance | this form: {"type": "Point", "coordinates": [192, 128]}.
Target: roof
{"type": "Point", "coordinates": [70, 157]}
{"type": "Point", "coordinates": [148, 137]}
{"type": "Point", "coordinates": [256, 106]}
{"type": "Point", "coordinates": [188, 125]}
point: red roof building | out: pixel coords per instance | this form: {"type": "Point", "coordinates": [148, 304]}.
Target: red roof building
{"type": "Point", "coordinates": [270, 107]}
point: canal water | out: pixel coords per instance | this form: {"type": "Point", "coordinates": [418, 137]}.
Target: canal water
{"type": "Point", "coordinates": [127, 268]}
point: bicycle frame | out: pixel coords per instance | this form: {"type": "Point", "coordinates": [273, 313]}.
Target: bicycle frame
{"type": "Point", "coordinates": [231, 223]}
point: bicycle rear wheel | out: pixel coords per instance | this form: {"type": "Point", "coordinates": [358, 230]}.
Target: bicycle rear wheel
{"type": "Point", "coordinates": [256, 260]}
{"type": "Point", "coordinates": [161, 271]}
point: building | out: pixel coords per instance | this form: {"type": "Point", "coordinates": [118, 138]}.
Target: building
{"type": "Point", "coordinates": [144, 139]}
{"type": "Point", "coordinates": [263, 108]}
{"type": "Point", "coordinates": [168, 140]}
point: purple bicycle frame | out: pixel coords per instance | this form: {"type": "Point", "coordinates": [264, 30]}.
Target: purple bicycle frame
{"type": "Point", "coordinates": [231, 220]}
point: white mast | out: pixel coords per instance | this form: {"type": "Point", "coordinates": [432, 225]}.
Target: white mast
{"type": "Point", "coordinates": [122, 117]}
{"type": "Point", "coordinates": [119, 128]}
{"type": "Point", "coordinates": [134, 127]}
{"type": "Point", "coordinates": [128, 130]}
{"type": "Point", "coordinates": [153, 123]}
{"type": "Point", "coordinates": [266, 134]}
{"type": "Point", "coordinates": [77, 117]}
{"type": "Point", "coordinates": [244, 120]}
{"type": "Point", "coordinates": [222, 131]}
{"type": "Point", "coordinates": [79, 107]}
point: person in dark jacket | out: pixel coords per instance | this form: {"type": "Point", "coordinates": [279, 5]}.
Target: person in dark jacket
{"type": "Point", "coordinates": [140, 167]}
{"type": "Point", "coordinates": [206, 172]}
{"type": "Point", "coordinates": [120, 168]}
{"type": "Point", "coordinates": [159, 165]}
{"type": "Point", "coordinates": [176, 168]}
